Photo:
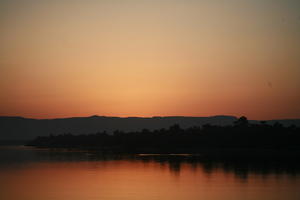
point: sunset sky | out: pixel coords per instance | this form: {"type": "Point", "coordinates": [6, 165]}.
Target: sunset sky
{"type": "Point", "coordinates": [62, 58]}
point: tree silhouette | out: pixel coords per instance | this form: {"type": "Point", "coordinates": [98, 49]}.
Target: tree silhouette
{"type": "Point", "coordinates": [209, 140]}
{"type": "Point", "coordinates": [242, 122]}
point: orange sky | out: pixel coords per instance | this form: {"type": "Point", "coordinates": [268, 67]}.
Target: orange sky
{"type": "Point", "coordinates": [150, 58]}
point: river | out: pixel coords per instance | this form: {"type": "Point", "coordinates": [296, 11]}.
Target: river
{"type": "Point", "coordinates": [42, 174]}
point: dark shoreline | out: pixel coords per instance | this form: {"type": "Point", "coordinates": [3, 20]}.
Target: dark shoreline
{"type": "Point", "coordinates": [239, 141]}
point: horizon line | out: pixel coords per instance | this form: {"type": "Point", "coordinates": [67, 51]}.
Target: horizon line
{"type": "Point", "coordinates": [154, 116]}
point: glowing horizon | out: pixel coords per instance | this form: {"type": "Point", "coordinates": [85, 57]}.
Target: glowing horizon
{"type": "Point", "coordinates": [150, 58]}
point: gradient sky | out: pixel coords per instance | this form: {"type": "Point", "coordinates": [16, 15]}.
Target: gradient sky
{"type": "Point", "coordinates": [61, 58]}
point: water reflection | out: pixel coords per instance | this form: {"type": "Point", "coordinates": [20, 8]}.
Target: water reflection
{"type": "Point", "coordinates": [34, 174]}
{"type": "Point", "coordinates": [18, 155]}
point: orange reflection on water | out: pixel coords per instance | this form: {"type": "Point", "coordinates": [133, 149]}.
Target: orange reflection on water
{"type": "Point", "coordinates": [137, 180]}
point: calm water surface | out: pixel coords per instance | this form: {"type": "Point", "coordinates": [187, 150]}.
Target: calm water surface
{"type": "Point", "coordinates": [35, 174]}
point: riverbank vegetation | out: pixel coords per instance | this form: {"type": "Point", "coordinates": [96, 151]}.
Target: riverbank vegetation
{"type": "Point", "coordinates": [239, 139]}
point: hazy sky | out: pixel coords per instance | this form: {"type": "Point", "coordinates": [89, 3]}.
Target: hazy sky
{"type": "Point", "coordinates": [61, 58]}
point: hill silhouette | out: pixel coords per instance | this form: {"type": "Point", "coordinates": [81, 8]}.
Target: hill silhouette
{"type": "Point", "coordinates": [19, 128]}
{"type": "Point", "coordinates": [239, 139]}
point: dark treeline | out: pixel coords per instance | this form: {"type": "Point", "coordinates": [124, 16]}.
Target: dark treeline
{"type": "Point", "coordinates": [241, 138]}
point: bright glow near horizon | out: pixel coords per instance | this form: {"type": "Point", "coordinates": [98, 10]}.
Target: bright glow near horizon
{"type": "Point", "coordinates": [149, 58]}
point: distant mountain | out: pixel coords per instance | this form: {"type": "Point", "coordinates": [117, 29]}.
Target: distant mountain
{"type": "Point", "coordinates": [13, 128]}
